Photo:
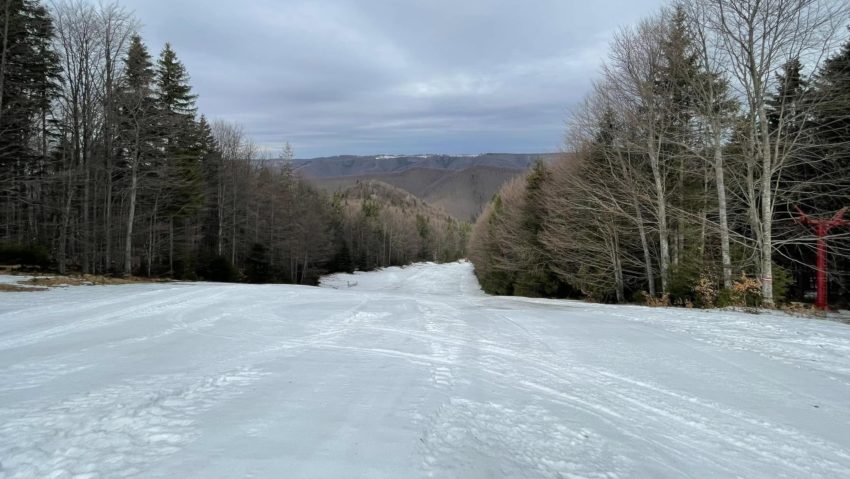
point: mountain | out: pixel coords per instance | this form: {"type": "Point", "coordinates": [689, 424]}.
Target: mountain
{"type": "Point", "coordinates": [461, 193]}
{"type": "Point", "coordinates": [460, 185]}
{"type": "Point", "coordinates": [348, 165]}
{"type": "Point", "coordinates": [386, 226]}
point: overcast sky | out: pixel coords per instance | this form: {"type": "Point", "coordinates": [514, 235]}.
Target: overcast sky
{"type": "Point", "coordinates": [391, 76]}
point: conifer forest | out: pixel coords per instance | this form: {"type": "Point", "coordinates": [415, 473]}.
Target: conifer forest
{"type": "Point", "coordinates": [107, 167]}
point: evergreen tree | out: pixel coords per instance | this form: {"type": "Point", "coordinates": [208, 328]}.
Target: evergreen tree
{"type": "Point", "coordinates": [175, 93]}
{"type": "Point", "coordinates": [181, 134]}
{"type": "Point", "coordinates": [257, 265]}
{"type": "Point", "coordinates": [139, 137]}
{"type": "Point", "coordinates": [829, 161]}
{"type": "Point", "coordinates": [211, 171]}
{"type": "Point", "coordinates": [535, 278]}
{"type": "Point", "coordinates": [785, 107]}
{"type": "Point", "coordinates": [182, 171]}
{"type": "Point", "coordinates": [832, 131]}
{"type": "Point", "coordinates": [29, 74]}
{"type": "Point", "coordinates": [680, 68]}
{"type": "Point", "coordinates": [138, 72]}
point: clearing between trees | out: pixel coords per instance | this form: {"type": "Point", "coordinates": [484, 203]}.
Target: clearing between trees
{"type": "Point", "coordinates": [410, 372]}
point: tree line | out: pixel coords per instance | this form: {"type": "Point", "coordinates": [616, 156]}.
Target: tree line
{"type": "Point", "coordinates": [713, 122]}
{"type": "Point", "coordinates": [106, 167]}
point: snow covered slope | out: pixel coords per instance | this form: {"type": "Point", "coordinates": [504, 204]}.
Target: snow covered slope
{"type": "Point", "coordinates": [410, 373]}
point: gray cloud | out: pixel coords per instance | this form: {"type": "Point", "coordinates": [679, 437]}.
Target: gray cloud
{"type": "Point", "coordinates": [391, 76]}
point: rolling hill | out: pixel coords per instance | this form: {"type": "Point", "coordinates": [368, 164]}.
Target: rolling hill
{"type": "Point", "coordinates": [460, 185]}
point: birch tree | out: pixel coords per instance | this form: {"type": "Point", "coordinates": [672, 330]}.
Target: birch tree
{"type": "Point", "coordinates": [757, 38]}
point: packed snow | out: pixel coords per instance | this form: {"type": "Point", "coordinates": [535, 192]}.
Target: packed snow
{"type": "Point", "coordinates": [410, 372]}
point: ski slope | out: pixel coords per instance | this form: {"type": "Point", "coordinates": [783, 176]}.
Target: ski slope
{"type": "Point", "coordinates": [410, 373]}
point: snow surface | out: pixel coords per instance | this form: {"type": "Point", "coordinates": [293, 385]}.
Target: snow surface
{"type": "Point", "coordinates": [410, 373]}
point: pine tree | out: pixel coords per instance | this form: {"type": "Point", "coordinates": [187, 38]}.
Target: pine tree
{"type": "Point", "coordinates": [535, 279]}
{"type": "Point", "coordinates": [832, 131]}
{"type": "Point", "coordinates": [785, 107]}
{"type": "Point", "coordinates": [29, 75]}
{"type": "Point", "coordinates": [680, 68]}
{"type": "Point", "coordinates": [183, 181]}
{"type": "Point", "coordinates": [182, 135]}
{"type": "Point", "coordinates": [139, 138]}
{"type": "Point", "coordinates": [175, 93]}
{"type": "Point", "coordinates": [787, 115]}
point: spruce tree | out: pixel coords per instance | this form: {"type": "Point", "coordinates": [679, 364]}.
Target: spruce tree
{"type": "Point", "coordinates": [183, 181]}
{"type": "Point", "coordinates": [181, 134]}
{"type": "Point", "coordinates": [535, 279]}
{"type": "Point", "coordinates": [680, 68]}
{"type": "Point", "coordinates": [139, 139]}
{"type": "Point", "coordinates": [29, 75]}
{"type": "Point", "coordinates": [175, 93]}
{"type": "Point", "coordinates": [785, 107]}
{"type": "Point", "coordinates": [831, 91]}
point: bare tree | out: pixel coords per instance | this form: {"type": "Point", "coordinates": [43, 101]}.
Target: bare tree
{"type": "Point", "coordinates": [757, 38]}
{"type": "Point", "coordinates": [637, 61]}
{"type": "Point", "coordinates": [116, 26]}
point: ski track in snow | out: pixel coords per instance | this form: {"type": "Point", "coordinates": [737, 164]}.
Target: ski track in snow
{"type": "Point", "coordinates": [410, 372]}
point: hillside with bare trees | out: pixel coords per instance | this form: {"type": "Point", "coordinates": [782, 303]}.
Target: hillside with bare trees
{"type": "Point", "coordinates": [713, 124]}
{"type": "Point", "coordinates": [386, 226]}
{"type": "Point", "coordinates": [107, 167]}
{"type": "Point", "coordinates": [460, 185]}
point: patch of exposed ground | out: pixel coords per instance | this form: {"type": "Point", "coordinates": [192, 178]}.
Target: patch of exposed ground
{"type": "Point", "coordinates": [82, 280]}
{"type": "Point", "coordinates": [14, 288]}
{"type": "Point", "coordinates": [30, 283]}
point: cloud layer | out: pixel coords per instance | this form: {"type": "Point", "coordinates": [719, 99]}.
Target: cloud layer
{"type": "Point", "coordinates": [391, 76]}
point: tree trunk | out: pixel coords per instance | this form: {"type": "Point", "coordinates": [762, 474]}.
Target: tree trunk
{"type": "Point", "coordinates": [720, 179]}
{"type": "Point", "coordinates": [171, 247]}
{"type": "Point", "coordinates": [151, 237]}
{"type": "Point", "coordinates": [304, 270]}
{"type": "Point", "coordinates": [233, 228]}
{"type": "Point", "coordinates": [663, 232]}
{"type": "Point", "coordinates": [617, 263]}
{"type": "Point", "coordinates": [647, 258]}
{"type": "Point", "coordinates": [4, 52]}
{"type": "Point", "coordinates": [131, 213]}
{"type": "Point", "coordinates": [128, 238]}
{"type": "Point", "coordinates": [766, 214]}
{"type": "Point", "coordinates": [220, 213]}
{"type": "Point", "coordinates": [87, 238]}
{"type": "Point", "coordinates": [107, 252]}
{"type": "Point", "coordinates": [63, 234]}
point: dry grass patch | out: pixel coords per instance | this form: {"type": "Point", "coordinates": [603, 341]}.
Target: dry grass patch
{"type": "Point", "coordinates": [803, 310]}
{"type": "Point", "coordinates": [83, 280]}
{"type": "Point", "coordinates": [14, 288]}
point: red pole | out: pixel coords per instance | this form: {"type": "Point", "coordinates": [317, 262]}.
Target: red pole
{"type": "Point", "coordinates": [821, 301]}
{"type": "Point", "coordinates": [822, 228]}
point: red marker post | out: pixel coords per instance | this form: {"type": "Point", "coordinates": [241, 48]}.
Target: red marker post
{"type": "Point", "coordinates": [821, 228]}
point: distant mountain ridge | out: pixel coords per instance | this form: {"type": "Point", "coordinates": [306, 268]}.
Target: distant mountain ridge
{"type": "Point", "coordinates": [350, 165]}
{"type": "Point", "coordinates": [461, 185]}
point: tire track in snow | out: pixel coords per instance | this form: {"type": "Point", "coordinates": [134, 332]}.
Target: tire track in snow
{"type": "Point", "coordinates": [602, 393]}
{"type": "Point", "coordinates": [492, 387]}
